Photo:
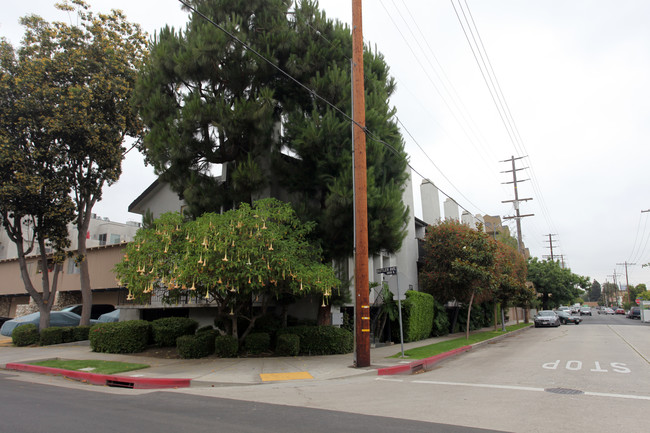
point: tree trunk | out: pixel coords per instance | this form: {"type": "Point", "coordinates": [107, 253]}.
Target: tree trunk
{"type": "Point", "coordinates": [495, 316]}
{"type": "Point", "coordinates": [469, 312]}
{"type": "Point", "coordinates": [84, 273]}
{"type": "Point", "coordinates": [324, 315]}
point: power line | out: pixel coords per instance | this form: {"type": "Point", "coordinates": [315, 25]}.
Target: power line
{"type": "Point", "coordinates": [497, 95]}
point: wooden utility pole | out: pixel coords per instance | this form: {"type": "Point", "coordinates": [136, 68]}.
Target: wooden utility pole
{"type": "Point", "coordinates": [627, 280]}
{"type": "Point", "coordinates": [361, 285]}
{"type": "Point", "coordinates": [550, 242]}
{"type": "Point", "coordinates": [516, 201]}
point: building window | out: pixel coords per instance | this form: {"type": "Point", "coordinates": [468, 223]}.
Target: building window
{"type": "Point", "coordinates": [115, 239]}
{"type": "Point", "coordinates": [102, 239]}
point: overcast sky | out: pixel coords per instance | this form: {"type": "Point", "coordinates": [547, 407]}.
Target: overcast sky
{"type": "Point", "coordinates": [574, 99]}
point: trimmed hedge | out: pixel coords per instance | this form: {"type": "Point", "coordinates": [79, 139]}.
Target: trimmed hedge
{"type": "Point", "coordinates": [257, 342]}
{"type": "Point", "coordinates": [168, 329]}
{"type": "Point", "coordinates": [130, 336]}
{"type": "Point", "coordinates": [196, 346]}
{"type": "Point", "coordinates": [25, 335]}
{"type": "Point", "coordinates": [417, 315]}
{"type": "Point", "coordinates": [321, 340]}
{"type": "Point", "coordinates": [80, 333]}
{"type": "Point", "coordinates": [51, 336]}
{"type": "Point", "coordinates": [226, 346]}
{"type": "Point", "coordinates": [287, 345]}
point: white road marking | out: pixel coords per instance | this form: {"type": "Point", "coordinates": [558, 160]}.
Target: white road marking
{"type": "Point", "coordinates": [517, 388]}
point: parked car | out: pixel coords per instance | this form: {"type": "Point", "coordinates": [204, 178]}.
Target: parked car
{"type": "Point", "coordinates": [619, 311]}
{"type": "Point", "coordinates": [546, 318]}
{"type": "Point", "coordinates": [606, 310]}
{"type": "Point", "coordinates": [57, 318]}
{"type": "Point", "coordinates": [585, 311]}
{"type": "Point", "coordinates": [96, 310]}
{"type": "Point", "coordinates": [565, 318]}
{"type": "Point", "coordinates": [113, 316]}
{"type": "Point", "coordinates": [634, 313]}
{"type": "Point", "coordinates": [4, 319]}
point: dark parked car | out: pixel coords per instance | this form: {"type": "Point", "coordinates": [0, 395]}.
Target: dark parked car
{"type": "Point", "coordinates": [568, 318]}
{"type": "Point", "coordinates": [547, 318]}
{"type": "Point", "coordinates": [634, 313]}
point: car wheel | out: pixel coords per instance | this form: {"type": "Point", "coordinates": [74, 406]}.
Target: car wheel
{"type": "Point", "coordinates": [577, 323]}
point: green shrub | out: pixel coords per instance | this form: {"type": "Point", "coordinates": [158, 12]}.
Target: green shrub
{"type": "Point", "coordinates": [51, 336]}
{"type": "Point", "coordinates": [195, 346]}
{"type": "Point", "coordinates": [68, 334]}
{"type": "Point", "coordinates": [168, 329]}
{"type": "Point", "coordinates": [80, 333]}
{"type": "Point", "coordinates": [257, 342]}
{"type": "Point", "coordinates": [25, 335]}
{"type": "Point", "coordinates": [321, 340]}
{"type": "Point", "coordinates": [440, 320]}
{"type": "Point", "coordinates": [287, 345]}
{"type": "Point", "coordinates": [226, 346]}
{"type": "Point", "coordinates": [417, 315]}
{"type": "Point", "coordinates": [130, 336]}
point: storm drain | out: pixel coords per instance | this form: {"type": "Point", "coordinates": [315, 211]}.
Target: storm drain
{"type": "Point", "coordinates": [119, 384]}
{"type": "Point", "coordinates": [566, 391]}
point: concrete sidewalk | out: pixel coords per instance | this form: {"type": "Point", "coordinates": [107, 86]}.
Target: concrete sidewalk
{"type": "Point", "coordinates": [214, 371]}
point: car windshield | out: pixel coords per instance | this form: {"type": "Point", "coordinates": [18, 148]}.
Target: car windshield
{"type": "Point", "coordinates": [546, 313]}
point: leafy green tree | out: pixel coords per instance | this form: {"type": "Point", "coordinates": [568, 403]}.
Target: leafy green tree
{"type": "Point", "coordinates": [206, 100]}
{"type": "Point", "coordinates": [35, 206]}
{"type": "Point", "coordinates": [86, 74]}
{"type": "Point", "coordinates": [594, 292]}
{"type": "Point", "coordinates": [239, 260]}
{"type": "Point", "coordinates": [556, 285]}
{"type": "Point", "coordinates": [458, 264]}
{"type": "Point", "coordinates": [609, 294]}
{"type": "Point", "coordinates": [510, 277]}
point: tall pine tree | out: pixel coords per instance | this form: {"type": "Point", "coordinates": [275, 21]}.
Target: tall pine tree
{"type": "Point", "coordinates": [207, 100]}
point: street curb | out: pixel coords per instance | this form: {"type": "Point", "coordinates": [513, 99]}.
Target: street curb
{"type": "Point", "coordinates": [104, 379]}
{"type": "Point", "coordinates": [427, 363]}
{"type": "Point", "coordinates": [420, 364]}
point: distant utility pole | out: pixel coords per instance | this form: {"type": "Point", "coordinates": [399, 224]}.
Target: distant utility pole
{"type": "Point", "coordinates": [615, 285]}
{"type": "Point", "coordinates": [550, 243]}
{"type": "Point", "coordinates": [517, 200]}
{"type": "Point", "coordinates": [627, 280]}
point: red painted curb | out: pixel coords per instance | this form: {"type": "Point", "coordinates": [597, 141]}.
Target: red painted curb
{"type": "Point", "coordinates": [420, 364]}
{"type": "Point", "coordinates": [104, 379]}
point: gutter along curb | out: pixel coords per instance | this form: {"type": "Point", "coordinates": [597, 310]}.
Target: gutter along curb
{"type": "Point", "coordinates": [426, 363]}
{"type": "Point", "coordinates": [104, 379]}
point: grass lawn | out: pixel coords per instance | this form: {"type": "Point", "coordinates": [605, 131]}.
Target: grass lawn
{"type": "Point", "coordinates": [91, 365]}
{"type": "Point", "coordinates": [446, 346]}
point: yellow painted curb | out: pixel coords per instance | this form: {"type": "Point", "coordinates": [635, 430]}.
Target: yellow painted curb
{"type": "Point", "coordinates": [267, 377]}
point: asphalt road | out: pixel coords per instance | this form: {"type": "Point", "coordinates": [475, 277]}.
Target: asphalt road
{"type": "Point", "coordinates": [37, 407]}
{"type": "Point", "coordinates": [592, 377]}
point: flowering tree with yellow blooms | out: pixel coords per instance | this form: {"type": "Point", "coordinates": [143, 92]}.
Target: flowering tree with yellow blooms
{"type": "Point", "coordinates": [239, 261]}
